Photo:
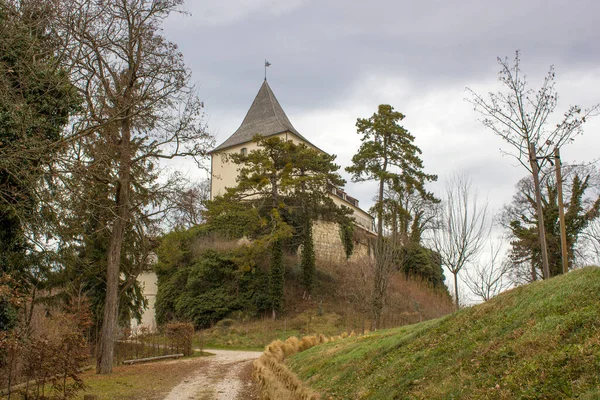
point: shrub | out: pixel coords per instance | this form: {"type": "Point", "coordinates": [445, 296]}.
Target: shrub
{"type": "Point", "coordinates": [50, 354]}
{"type": "Point", "coordinates": [181, 335]}
{"type": "Point", "coordinates": [209, 288]}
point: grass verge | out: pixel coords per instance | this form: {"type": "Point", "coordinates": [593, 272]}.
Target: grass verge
{"type": "Point", "coordinates": [540, 341]}
{"type": "Point", "coordinates": [255, 335]}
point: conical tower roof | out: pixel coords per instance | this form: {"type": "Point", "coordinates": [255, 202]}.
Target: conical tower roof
{"type": "Point", "coordinates": [265, 117]}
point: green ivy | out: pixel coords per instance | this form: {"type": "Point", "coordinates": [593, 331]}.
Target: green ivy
{"type": "Point", "coordinates": [276, 276]}
{"type": "Point", "coordinates": [347, 236]}
{"type": "Point", "coordinates": [307, 262]}
{"type": "Point", "coordinates": [208, 287]}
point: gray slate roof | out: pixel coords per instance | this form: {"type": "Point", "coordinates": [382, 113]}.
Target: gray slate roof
{"type": "Point", "coordinates": [265, 117]}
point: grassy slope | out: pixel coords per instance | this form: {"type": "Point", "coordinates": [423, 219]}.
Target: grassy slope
{"type": "Point", "coordinates": [536, 341]}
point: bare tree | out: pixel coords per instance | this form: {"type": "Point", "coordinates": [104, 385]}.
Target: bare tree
{"type": "Point", "coordinates": [139, 108]}
{"type": "Point", "coordinates": [521, 117]}
{"type": "Point", "coordinates": [188, 203]}
{"type": "Point", "coordinates": [407, 215]}
{"type": "Point", "coordinates": [388, 258]}
{"type": "Point", "coordinates": [463, 228]}
{"type": "Point", "coordinates": [588, 251]}
{"type": "Point", "coordinates": [489, 277]}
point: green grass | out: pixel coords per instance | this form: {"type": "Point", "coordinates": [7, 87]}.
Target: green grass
{"type": "Point", "coordinates": [540, 341]}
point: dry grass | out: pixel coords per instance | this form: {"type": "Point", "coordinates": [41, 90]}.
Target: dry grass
{"type": "Point", "coordinates": [408, 300]}
{"type": "Point", "coordinates": [152, 381]}
{"type": "Point", "coordinates": [340, 303]}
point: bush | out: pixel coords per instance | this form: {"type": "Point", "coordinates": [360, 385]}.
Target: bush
{"type": "Point", "coordinates": [51, 355]}
{"type": "Point", "coordinates": [210, 288]}
{"type": "Point", "coordinates": [181, 335]}
{"type": "Point", "coordinates": [421, 262]}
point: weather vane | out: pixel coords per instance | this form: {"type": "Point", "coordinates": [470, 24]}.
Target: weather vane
{"type": "Point", "coordinates": [267, 64]}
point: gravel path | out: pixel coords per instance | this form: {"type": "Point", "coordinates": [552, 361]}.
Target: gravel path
{"type": "Point", "coordinates": [224, 376]}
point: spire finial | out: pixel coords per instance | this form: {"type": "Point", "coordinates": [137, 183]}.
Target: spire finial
{"type": "Point", "coordinates": [267, 64]}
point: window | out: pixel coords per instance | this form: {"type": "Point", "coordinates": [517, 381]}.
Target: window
{"type": "Point", "coordinates": [244, 151]}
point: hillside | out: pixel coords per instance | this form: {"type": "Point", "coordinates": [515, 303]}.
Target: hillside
{"type": "Point", "coordinates": [221, 288]}
{"type": "Point", "coordinates": [540, 341]}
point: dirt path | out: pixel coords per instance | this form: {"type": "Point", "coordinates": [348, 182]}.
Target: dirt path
{"type": "Point", "coordinates": [224, 376]}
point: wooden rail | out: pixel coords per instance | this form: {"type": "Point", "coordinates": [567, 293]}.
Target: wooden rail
{"type": "Point", "coordinates": [141, 360]}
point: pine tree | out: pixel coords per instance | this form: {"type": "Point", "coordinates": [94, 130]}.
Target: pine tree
{"type": "Point", "coordinates": [389, 156]}
{"type": "Point", "coordinates": [281, 188]}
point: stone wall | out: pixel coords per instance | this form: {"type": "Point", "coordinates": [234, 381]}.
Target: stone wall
{"type": "Point", "coordinates": [329, 246]}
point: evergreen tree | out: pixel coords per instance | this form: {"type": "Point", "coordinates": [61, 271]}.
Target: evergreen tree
{"type": "Point", "coordinates": [281, 188]}
{"type": "Point", "coordinates": [389, 156]}
{"type": "Point", "coordinates": [276, 277]}
{"type": "Point", "coordinates": [520, 219]}
{"type": "Point", "coordinates": [307, 262]}
{"type": "Point", "coordinates": [36, 100]}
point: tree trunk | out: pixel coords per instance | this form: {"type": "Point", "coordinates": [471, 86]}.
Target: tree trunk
{"type": "Point", "coordinates": [378, 295]}
{"type": "Point", "coordinates": [540, 212]}
{"type": "Point", "coordinates": [561, 213]}
{"type": "Point", "coordinates": [380, 211]}
{"type": "Point", "coordinates": [111, 305]}
{"type": "Point", "coordinates": [379, 281]}
{"type": "Point", "coordinates": [380, 278]}
{"type": "Point", "coordinates": [456, 302]}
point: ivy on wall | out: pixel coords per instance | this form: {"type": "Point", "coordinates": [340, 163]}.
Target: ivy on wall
{"type": "Point", "coordinates": [346, 234]}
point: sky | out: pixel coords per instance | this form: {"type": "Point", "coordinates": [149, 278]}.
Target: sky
{"type": "Point", "coordinates": [335, 61]}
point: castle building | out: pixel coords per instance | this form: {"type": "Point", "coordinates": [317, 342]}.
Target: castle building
{"type": "Point", "coordinates": [267, 118]}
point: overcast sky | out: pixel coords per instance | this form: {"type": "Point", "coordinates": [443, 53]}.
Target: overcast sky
{"type": "Point", "coordinates": [335, 61]}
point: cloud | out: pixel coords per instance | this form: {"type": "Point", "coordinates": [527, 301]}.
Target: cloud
{"type": "Point", "coordinates": [215, 13]}
{"type": "Point", "coordinates": [334, 61]}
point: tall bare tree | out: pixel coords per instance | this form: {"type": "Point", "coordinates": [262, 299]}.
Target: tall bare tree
{"type": "Point", "coordinates": [522, 117]}
{"type": "Point", "coordinates": [139, 107]}
{"type": "Point", "coordinates": [463, 228]}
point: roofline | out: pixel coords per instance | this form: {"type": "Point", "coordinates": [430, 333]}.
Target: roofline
{"type": "Point", "coordinates": [358, 208]}
{"type": "Point", "coordinates": [217, 150]}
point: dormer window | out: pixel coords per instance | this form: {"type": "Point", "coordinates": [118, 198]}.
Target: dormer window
{"type": "Point", "coordinates": [244, 151]}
